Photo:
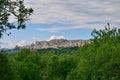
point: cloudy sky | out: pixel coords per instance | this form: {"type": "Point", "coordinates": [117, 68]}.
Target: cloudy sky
{"type": "Point", "coordinates": [69, 19]}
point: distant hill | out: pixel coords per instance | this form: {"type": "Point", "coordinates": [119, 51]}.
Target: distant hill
{"type": "Point", "coordinates": [11, 51]}
{"type": "Point", "coordinates": [55, 43]}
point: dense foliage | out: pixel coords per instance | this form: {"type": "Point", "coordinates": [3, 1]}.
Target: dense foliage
{"type": "Point", "coordinates": [99, 60]}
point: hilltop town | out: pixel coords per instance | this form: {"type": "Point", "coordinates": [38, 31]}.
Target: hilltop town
{"type": "Point", "coordinates": [55, 43]}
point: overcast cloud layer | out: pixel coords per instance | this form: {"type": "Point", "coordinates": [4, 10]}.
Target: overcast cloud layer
{"type": "Point", "coordinates": [75, 11]}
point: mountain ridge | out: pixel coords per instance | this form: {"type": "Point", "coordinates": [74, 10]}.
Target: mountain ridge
{"type": "Point", "coordinates": [55, 43]}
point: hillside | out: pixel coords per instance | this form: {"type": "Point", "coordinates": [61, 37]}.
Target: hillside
{"type": "Point", "coordinates": [55, 43]}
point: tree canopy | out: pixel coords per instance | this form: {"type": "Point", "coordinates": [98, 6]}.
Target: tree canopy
{"type": "Point", "coordinates": [99, 60]}
{"type": "Point", "coordinates": [17, 9]}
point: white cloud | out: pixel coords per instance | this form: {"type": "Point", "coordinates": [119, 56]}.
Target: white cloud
{"type": "Point", "coordinates": [56, 37]}
{"type": "Point", "coordinates": [7, 44]}
{"type": "Point", "coordinates": [12, 44]}
{"type": "Point", "coordinates": [23, 43]}
{"type": "Point", "coordinates": [61, 28]}
{"type": "Point", "coordinates": [55, 29]}
{"type": "Point", "coordinates": [75, 11]}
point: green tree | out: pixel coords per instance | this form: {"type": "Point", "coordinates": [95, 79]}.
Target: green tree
{"type": "Point", "coordinates": [17, 9]}
{"type": "Point", "coordinates": [5, 69]}
{"type": "Point", "coordinates": [27, 65]}
{"type": "Point", "coordinates": [52, 64]}
{"type": "Point", "coordinates": [106, 35]}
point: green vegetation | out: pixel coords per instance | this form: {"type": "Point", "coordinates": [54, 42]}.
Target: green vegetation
{"type": "Point", "coordinates": [99, 60]}
{"type": "Point", "coordinates": [17, 10]}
